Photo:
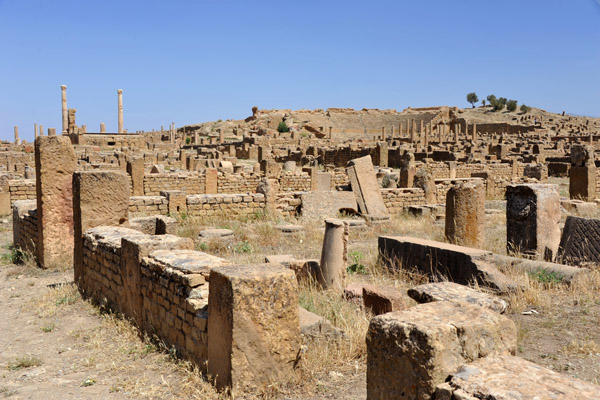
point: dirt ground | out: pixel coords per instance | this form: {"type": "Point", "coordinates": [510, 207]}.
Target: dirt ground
{"type": "Point", "coordinates": [54, 345]}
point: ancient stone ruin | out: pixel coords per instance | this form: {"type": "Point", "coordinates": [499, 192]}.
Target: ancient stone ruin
{"type": "Point", "coordinates": [111, 205]}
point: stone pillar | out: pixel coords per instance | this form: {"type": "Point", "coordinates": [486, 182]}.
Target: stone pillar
{"type": "Point", "coordinates": [102, 127]}
{"type": "Point", "coordinates": [582, 174]}
{"type": "Point", "coordinates": [426, 138]}
{"type": "Point", "coordinates": [382, 151]}
{"type": "Point", "coordinates": [100, 198]}
{"type": "Point", "coordinates": [177, 201]}
{"type": "Point", "coordinates": [334, 256]}
{"type": "Point", "coordinates": [135, 169]}
{"type": "Point", "coordinates": [41, 130]}
{"type": "Point", "coordinates": [465, 214]}
{"type": "Point", "coordinates": [221, 136]}
{"type": "Point", "coordinates": [17, 139]}
{"type": "Point", "coordinates": [211, 181]}
{"type": "Point", "coordinates": [407, 172]}
{"type": "Point", "coordinates": [253, 328]}
{"type": "Point", "coordinates": [532, 220]}
{"type": "Point", "coordinates": [51, 131]}
{"type": "Point", "coordinates": [474, 137]}
{"type": "Point", "coordinates": [452, 169]}
{"type": "Point", "coordinates": [55, 162]}
{"type": "Point", "coordinates": [120, 97]}
{"type": "Point", "coordinates": [65, 115]}
{"type": "Point", "coordinates": [35, 130]}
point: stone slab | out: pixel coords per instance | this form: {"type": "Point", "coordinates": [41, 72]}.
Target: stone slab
{"type": "Point", "coordinates": [366, 188]}
{"type": "Point", "coordinates": [328, 204]}
{"type": "Point", "coordinates": [449, 291]}
{"type": "Point", "coordinates": [580, 241]}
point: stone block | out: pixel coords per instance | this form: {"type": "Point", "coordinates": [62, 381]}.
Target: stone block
{"type": "Point", "coordinates": [582, 182]}
{"type": "Point", "coordinates": [580, 242]}
{"type": "Point", "coordinates": [55, 162]}
{"type": "Point", "coordinates": [135, 169]}
{"type": "Point", "coordinates": [381, 299]}
{"type": "Point", "coordinates": [443, 261]}
{"type": "Point", "coordinates": [316, 205]}
{"type": "Point", "coordinates": [465, 213]}
{"type": "Point", "coordinates": [508, 378]}
{"type": "Point", "coordinates": [211, 181]}
{"type": "Point", "coordinates": [449, 291]}
{"type": "Point", "coordinates": [253, 326]}
{"type": "Point", "coordinates": [100, 198]}
{"type": "Point", "coordinates": [314, 326]}
{"type": "Point", "coordinates": [532, 220]}
{"type": "Point", "coordinates": [366, 188]}
{"type": "Point", "coordinates": [176, 200]}
{"type": "Point", "coordinates": [410, 352]}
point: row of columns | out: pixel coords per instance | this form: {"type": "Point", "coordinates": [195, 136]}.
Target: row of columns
{"type": "Point", "coordinates": [65, 111]}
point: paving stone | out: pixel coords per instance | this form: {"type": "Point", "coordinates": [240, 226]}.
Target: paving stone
{"type": "Point", "coordinates": [447, 291]}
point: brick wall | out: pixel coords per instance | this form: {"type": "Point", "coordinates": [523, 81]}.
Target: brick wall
{"type": "Point", "coordinates": [25, 227]}
{"type": "Point", "coordinates": [237, 183]}
{"type": "Point", "coordinates": [294, 182]}
{"type": "Point", "coordinates": [148, 205]}
{"type": "Point", "coordinates": [396, 199]}
{"type": "Point", "coordinates": [189, 183]}
{"type": "Point", "coordinates": [206, 205]}
{"type": "Point", "coordinates": [21, 189]}
{"type": "Point", "coordinates": [289, 203]}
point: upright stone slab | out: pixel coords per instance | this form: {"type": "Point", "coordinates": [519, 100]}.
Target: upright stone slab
{"type": "Point", "coordinates": [253, 326]}
{"type": "Point", "coordinates": [100, 198]}
{"type": "Point", "coordinates": [135, 168]}
{"type": "Point", "coordinates": [580, 242]}
{"type": "Point", "coordinates": [323, 182]}
{"type": "Point", "coordinates": [365, 187]}
{"type": "Point", "coordinates": [211, 179]}
{"type": "Point", "coordinates": [410, 352]}
{"type": "Point", "coordinates": [465, 214]}
{"type": "Point", "coordinates": [177, 201]}
{"type": "Point", "coordinates": [55, 162]}
{"type": "Point", "coordinates": [532, 220]}
{"type": "Point", "coordinates": [582, 174]}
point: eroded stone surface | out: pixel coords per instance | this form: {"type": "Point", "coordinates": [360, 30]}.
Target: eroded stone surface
{"type": "Point", "coordinates": [410, 352]}
{"type": "Point", "coordinates": [449, 291]}
{"type": "Point", "coordinates": [510, 378]}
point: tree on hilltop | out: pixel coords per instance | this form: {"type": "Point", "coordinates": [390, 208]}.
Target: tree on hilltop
{"type": "Point", "coordinates": [472, 98]}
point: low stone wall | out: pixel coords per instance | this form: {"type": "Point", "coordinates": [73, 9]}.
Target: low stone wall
{"type": "Point", "coordinates": [207, 205]}
{"type": "Point", "coordinates": [21, 189]}
{"type": "Point", "coordinates": [25, 228]}
{"type": "Point", "coordinates": [294, 182]}
{"type": "Point", "coordinates": [289, 203]}
{"type": "Point", "coordinates": [186, 182]}
{"type": "Point", "coordinates": [238, 183]}
{"type": "Point", "coordinates": [396, 199]}
{"type": "Point", "coordinates": [443, 185]}
{"type": "Point", "coordinates": [148, 205]}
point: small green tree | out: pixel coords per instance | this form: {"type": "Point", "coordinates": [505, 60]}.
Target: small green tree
{"type": "Point", "coordinates": [188, 140]}
{"type": "Point", "coordinates": [525, 109]}
{"type": "Point", "coordinates": [499, 103]}
{"type": "Point", "coordinates": [511, 105]}
{"type": "Point", "coordinates": [483, 102]}
{"type": "Point", "coordinates": [282, 127]}
{"type": "Point", "coordinates": [472, 98]}
{"type": "Point", "coordinates": [491, 99]}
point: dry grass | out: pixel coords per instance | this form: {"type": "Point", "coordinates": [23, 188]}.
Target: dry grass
{"type": "Point", "coordinates": [53, 300]}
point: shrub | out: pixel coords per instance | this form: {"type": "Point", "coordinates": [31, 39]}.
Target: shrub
{"type": "Point", "coordinates": [511, 105]}
{"type": "Point", "coordinates": [491, 99]}
{"type": "Point", "coordinates": [499, 103]}
{"type": "Point", "coordinates": [525, 109]}
{"type": "Point", "coordinates": [472, 98]}
{"type": "Point", "coordinates": [188, 140]}
{"type": "Point", "coordinates": [282, 127]}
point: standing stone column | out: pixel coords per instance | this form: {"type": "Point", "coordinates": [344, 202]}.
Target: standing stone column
{"type": "Point", "coordinates": [465, 214]}
{"type": "Point", "coordinates": [135, 168]}
{"type": "Point", "coordinates": [474, 137]}
{"type": "Point", "coordinates": [334, 256]}
{"type": "Point", "coordinates": [100, 198]}
{"type": "Point", "coordinates": [65, 115]}
{"type": "Point", "coordinates": [407, 172]}
{"type": "Point", "coordinates": [582, 174]}
{"type": "Point", "coordinates": [532, 220]}
{"type": "Point", "coordinates": [41, 130]}
{"type": "Point", "coordinates": [253, 326]}
{"type": "Point", "coordinates": [55, 162]}
{"type": "Point", "coordinates": [17, 140]}
{"type": "Point", "coordinates": [35, 130]}
{"type": "Point", "coordinates": [120, 96]}
{"type": "Point", "coordinates": [221, 136]}
{"type": "Point", "coordinates": [102, 127]}
{"type": "Point", "coordinates": [382, 151]}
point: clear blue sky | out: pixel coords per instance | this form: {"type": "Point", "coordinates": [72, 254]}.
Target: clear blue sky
{"type": "Point", "coordinates": [196, 61]}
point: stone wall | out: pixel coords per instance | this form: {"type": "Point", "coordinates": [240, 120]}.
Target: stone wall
{"type": "Point", "coordinates": [208, 205]}
{"type": "Point", "coordinates": [237, 183]}
{"type": "Point", "coordinates": [25, 225]}
{"type": "Point", "coordinates": [294, 182]}
{"type": "Point", "coordinates": [396, 199]}
{"type": "Point", "coordinates": [289, 203]}
{"type": "Point", "coordinates": [21, 189]}
{"type": "Point", "coordinates": [187, 182]}
{"type": "Point", "coordinates": [148, 205]}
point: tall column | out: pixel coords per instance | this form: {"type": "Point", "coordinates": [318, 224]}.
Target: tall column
{"type": "Point", "coordinates": [41, 130]}
{"type": "Point", "coordinates": [120, 93]}
{"type": "Point", "coordinates": [17, 140]}
{"type": "Point", "coordinates": [35, 131]}
{"type": "Point", "coordinates": [102, 127]}
{"type": "Point", "coordinates": [474, 132]}
{"type": "Point", "coordinates": [65, 115]}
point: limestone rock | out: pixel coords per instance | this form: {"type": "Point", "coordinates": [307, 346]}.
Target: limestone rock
{"type": "Point", "coordinates": [449, 291]}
